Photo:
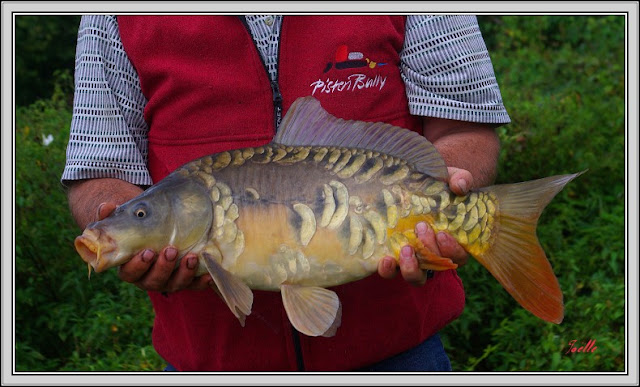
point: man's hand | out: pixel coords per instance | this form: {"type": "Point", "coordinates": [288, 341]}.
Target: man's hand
{"type": "Point", "coordinates": [474, 149]}
{"type": "Point", "coordinates": [441, 244]}
{"type": "Point", "coordinates": [158, 272]}
{"type": "Point", "coordinates": [149, 270]}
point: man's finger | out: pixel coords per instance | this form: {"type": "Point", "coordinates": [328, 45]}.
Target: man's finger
{"type": "Point", "coordinates": [105, 209]}
{"type": "Point", "coordinates": [460, 180]}
{"type": "Point", "coordinates": [137, 267]}
{"type": "Point", "coordinates": [387, 267]}
{"type": "Point", "coordinates": [183, 276]}
{"type": "Point", "coordinates": [409, 268]}
{"type": "Point", "coordinates": [158, 275]}
{"type": "Point", "coordinates": [450, 248]}
{"type": "Point", "coordinates": [203, 282]}
{"type": "Point", "coordinates": [427, 236]}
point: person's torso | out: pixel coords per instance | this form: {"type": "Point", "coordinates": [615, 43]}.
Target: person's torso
{"type": "Point", "coordinates": [208, 90]}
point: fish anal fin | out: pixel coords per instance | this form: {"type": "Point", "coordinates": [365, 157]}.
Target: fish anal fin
{"type": "Point", "coordinates": [312, 310]}
{"type": "Point", "coordinates": [430, 261]}
{"type": "Point", "coordinates": [235, 293]}
{"type": "Point", "coordinates": [427, 260]}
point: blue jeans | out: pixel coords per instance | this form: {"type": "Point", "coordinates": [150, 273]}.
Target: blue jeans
{"type": "Point", "coordinates": [427, 356]}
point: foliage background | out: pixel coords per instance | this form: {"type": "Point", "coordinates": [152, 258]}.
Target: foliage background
{"type": "Point", "coordinates": [562, 79]}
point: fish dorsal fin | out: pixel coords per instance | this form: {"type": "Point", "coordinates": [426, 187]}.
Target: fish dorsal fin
{"type": "Point", "coordinates": [308, 124]}
{"type": "Point", "coordinates": [312, 310]}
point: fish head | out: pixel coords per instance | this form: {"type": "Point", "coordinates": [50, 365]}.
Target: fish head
{"type": "Point", "coordinates": [168, 214]}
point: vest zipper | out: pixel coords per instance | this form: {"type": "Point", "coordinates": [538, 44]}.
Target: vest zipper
{"type": "Point", "coordinates": [277, 100]}
{"type": "Point", "coordinates": [296, 345]}
{"type": "Point", "coordinates": [275, 88]}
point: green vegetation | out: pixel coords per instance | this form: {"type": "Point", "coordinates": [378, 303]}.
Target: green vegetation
{"type": "Point", "coordinates": [562, 79]}
{"type": "Point", "coordinates": [45, 46]}
{"type": "Point", "coordinates": [63, 321]}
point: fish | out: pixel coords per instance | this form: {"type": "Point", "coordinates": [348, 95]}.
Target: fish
{"type": "Point", "coordinates": [318, 207]}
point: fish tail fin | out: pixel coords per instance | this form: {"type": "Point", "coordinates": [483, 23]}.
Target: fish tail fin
{"type": "Point", "coordinates": [515, 257]}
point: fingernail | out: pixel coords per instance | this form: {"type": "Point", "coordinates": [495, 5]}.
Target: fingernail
{"type": "Point", "coordinates": [191, 262]}
{"type": "Point", "coordinates": [147, 255]}
{"type": "Point", "coordinates": [170, 253]}
{"type": "Point", "coordinates": [442, 238]}
{"type": "Point", "coordinates": [462, 184]}
{"type": "Point", "coordinates": [406, 252]}
{"type": "Point", "coordinates": [421, 228]}
{"type": "Point", "coordinates": [387, 264]}
{"type": "Point", "coordinates": [98, 211]}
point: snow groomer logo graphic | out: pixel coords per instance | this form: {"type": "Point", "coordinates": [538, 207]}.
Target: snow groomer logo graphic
{"type": "Point", "coordinates": [344, 59]}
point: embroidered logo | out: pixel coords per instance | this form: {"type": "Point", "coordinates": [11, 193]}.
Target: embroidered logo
{"type": "Point", "coordinates": [344, 59]}
{"type": "Point", "coordinates": [349, 60]}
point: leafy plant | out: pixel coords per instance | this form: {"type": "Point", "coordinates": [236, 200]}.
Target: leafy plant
{"type": "Point", "coordinates": [64, 321]}
{"type": "Point", "coordinates": [45, 45]}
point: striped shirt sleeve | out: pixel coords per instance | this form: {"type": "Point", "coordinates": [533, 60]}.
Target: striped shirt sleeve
{"type": "Point", "coordinates": [108, 134]}
{"type": "Point", "coordinates": [448, 72]}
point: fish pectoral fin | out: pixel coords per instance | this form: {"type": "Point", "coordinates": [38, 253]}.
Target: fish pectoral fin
{"type": "Point", "coordinates": [313, 311]}
{"type": "Point", "coordinates": [234, 292]}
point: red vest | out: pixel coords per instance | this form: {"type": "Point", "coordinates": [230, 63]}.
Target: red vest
{"type": "Point", "coordinates": [208, 91]}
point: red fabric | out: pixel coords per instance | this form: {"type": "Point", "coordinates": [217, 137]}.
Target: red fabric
{"type": "Point", "coordinates": [197, 103]}
{"type": "Point", "coordinates": [208, 92]}
{"type": "Point", "coordinates": [310, 43]}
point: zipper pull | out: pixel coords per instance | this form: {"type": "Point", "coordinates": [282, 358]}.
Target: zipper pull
{"type": "Point", "coordinates": [277, 103]}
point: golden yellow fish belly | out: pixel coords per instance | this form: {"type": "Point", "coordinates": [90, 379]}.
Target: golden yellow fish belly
{"type": "Point", "coordinates": [273, 253]}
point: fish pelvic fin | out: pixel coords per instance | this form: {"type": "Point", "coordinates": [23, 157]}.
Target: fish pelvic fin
{"type": "Point", "coordinates": [312, 310]}
{"type": "Point", "coordinates": [514, 256]}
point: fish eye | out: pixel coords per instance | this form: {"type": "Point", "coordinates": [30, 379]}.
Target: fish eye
{"type": "Point", "coordinates": [140, 213]}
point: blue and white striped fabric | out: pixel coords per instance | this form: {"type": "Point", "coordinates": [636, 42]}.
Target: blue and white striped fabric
{"type": "Point", "coordinates": [445, 66]}
{"type": "Point", "coordinates": [448, 72]}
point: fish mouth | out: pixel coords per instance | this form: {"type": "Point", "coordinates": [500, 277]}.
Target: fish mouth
{"type": "Point", "coordinates": [96, 248]}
